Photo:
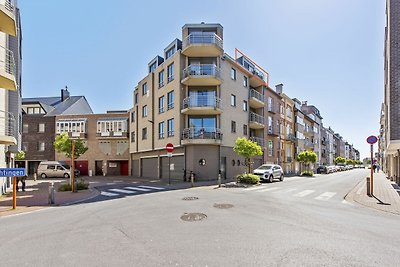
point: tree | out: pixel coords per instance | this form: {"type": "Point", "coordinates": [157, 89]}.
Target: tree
{"type": "Point", "coordinates": [340, 160]}
{"type": "Point", "coordinates": [63, 144]}
{"type": "Point", "coordinates": [307, 157]}
{"type": "Point", "coordinates": [20, 155]}
{"type": "Point", "coordinates": [248, 149]}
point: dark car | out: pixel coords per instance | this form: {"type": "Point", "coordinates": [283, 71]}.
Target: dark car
{"type": "Point", "coordinates": [322, 169]}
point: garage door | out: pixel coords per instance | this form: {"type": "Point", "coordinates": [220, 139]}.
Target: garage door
{"type": "Point", "coordinates": [149, 168]}
{"type": "Point", "coordinates": [135, 168]}
{"type": "Point", "coordinates": [177, 163]}
{"type": "Point", "coordinates": [82, 166]}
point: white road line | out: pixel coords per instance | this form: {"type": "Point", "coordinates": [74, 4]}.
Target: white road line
{"type": "Point", "coordinates": [151, 187]}
{"type": "Point", "coordinates": [304, 193]}
{"type": "Point", "coordinates": [137, 189]}
{"type": "Point", "coordinates": [122, 191]}
{"type": "Point", "coordinates": [346, 202]}
{"type": "Point", "coordinates": [325, 196]}
{"type": "Point", "coordinates": [108, 194]}
{"type": "Point", "coordinates": [110, 183]}
{"type": "Point", "coordinates": [268, 189]}
{"type": "Point", "coordinates": [360, 189]}
{"type": "Point", "coordinates": [253, 188]}
{"type": "Point", "coordinates": [287, 190]}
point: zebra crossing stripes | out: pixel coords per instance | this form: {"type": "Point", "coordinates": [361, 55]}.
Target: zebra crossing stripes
{"type": "Point", "coordinates": [152, 187]}
{"type": "Point", "coordinates": [304, 193]}
{"type": "Point", "coordinates": [137, 189]}
{"type": "Point", "coordinates": [108, 194]}
{"type": "Point", "coordinates": [129, 190]}
{"type": "Point", "coordinates": [268, 189]}
{"type": "Point", "coordinates": [326, 196]}
{"type": "Point", "coordinates": [122, 191]}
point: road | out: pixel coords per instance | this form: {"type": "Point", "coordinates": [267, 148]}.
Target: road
{"type": "Point", "coordinates": [298, 222]}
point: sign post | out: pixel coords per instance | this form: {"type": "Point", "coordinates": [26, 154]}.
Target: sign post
{"type": "Point", "coordinates": [170, 149]}
{"type": "Point", "coordinates": [372, 140]}
{"type": "Point", "coordinates": [14, 172]}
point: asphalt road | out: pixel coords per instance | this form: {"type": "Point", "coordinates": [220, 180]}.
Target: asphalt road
{"type": "Point", "coordinates": [298, 222]}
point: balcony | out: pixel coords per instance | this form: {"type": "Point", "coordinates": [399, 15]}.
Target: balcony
{"type": "Point", "coordinates": [77, 135]}
{"type": "Point", "coordinates": [260, 141]}
{"type": "Point", "coordinates": [7, 70]}
{"type": "Point", "coordinates": [256, 121]}
{"type": "Point", "coordinates": [207, 44]}
{"type": "Point", "coordinates": [201, 74]}
{"type": "Point", "coordinates": [201, 105]}
{"type": "Point", "coordinates": [7, 17]}
{"type": "Point", "coordinates": [7, 128]}
{"type": "Point", "coordinates": [289, 159]}
{"type": "Point", "coordinates": [273, 130]}
{"type": "Point", "coordinates": [201, 136]}
{"type": "Point", "coordinates": [272, 109]}
{"type": "Point", "coordinates": [111, 134]}
{"type": "Point", "coordinates": [258, 76]}
{"type": "Point", "coordinates": [291, 137]}
{"type": "Point", "coordinates": [256, 99]}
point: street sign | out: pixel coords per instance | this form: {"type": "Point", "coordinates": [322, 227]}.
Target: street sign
{"type": "Point", "coordinates": [372, 139]}
{"type": "Point", "coordinates": [170, 147]}
{"type": "Point", "coordinates": [5, 172]}
{"type": "Point", "coordinates": [169, 155]}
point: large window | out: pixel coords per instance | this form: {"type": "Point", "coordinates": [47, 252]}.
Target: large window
{"type": "Point", "coordinates": [270, 148]}
{"type": "Point", "coordinates": [41, 146]}
{"type": "Point", "coordinates": [41, 128]}
{"type": "Point", "coordinates": [161, 130]}
{"type": "Point", "coordinates": [133, 137]}
{"type": "Point", "coordinates": [245, 129]}
{"type": "Point", "coordinates": [144, 111]}
{"type": "Point", "coordinates": [170, 72]}
{"type": "Point", "coordinates": [170, 52]}
{"type": "Point", "coordinates": [245, 81]}
{"type": "Point", "coordinates": [233, 126]}
{"type": "Point", "coordinates": [170, 127]}
{"type": "Point", "coordinates": [161, 79]}
{"type": "Point", "coordinates": [34, 110]}
{"type": "Point", "coordinates": [144, 89]}
{"type": "Point", "coordinates": [136, 99]}
{"type": "Point", "coordinates": [133, 115]}
{"type": "Point", "coordinates": [244, 105]}
{"type": "Point", "coordinates": [233, 74]}
{"type": "Point", "coordinates": [170, 97]}
{"type": "Point", "coordinates": [152, 67]}
{"type": "Point", "coordinates": [25, 128]}
{"type": "Point", "coordinates": [112, 125]}
{"type": "Point", "coordinates": [71, 126]}
{"type": "Point", "coordinates": [233, 100]}
{"type": "Point", "coordinates": [144, 133]}
{"type": "Point", "coordinates": [161, 104]}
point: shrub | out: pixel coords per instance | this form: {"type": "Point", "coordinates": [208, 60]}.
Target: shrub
{"type": "Point", "coordinates": [248, 178]}
{"type": "Point", "coordinates": [81, 185]}
{"type": "Point", "coordinates": [307, 173]}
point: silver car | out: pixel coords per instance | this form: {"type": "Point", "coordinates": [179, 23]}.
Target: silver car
{"type": "Point", "coordinates": [269, 172]}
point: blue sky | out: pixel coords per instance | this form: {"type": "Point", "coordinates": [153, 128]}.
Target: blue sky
{"type": "Point", "coordinates": [328, 52]}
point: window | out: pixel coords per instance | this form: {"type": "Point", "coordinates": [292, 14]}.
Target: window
{"type": "Point", "coordinates": [161, 79]}
{"type": "Point", "coordinates": [233, 126]}
{"type": "Point", "coordinates": [34, 110]}
{"type": "Point", "coordinates": [170, 72]}
{"type": "Point", "coordinates": [25, 146]}
{"type": "Point", "coordinates": [144, 111]}
{"type": "Point", "coordinates": [41, 128]}
{"type": "Point", "coordinates": [244, 129]}
{"type": "Point", "coordinates": [152, 67]}
{"type": "Point", "coordinates": [144, 89]}
{"type": "Point", "coordinates": [133, 115]}
{"type": "Point", "coordinates": [170, 127]}
{"type": "Point", "coordinates": [244, 105]}
{"type": "Point", "coordinates": [41, 146]}
{"type": "Point", "coordinates": [133, 137]}
{"type": "Point", "coordinates": [25, 128]}
{"type": "Point", "coordinates": [72, 125]}
{"type": "Point", "coordinates": [161, 130]}
{"type": "Point", "coordinates": [170, 52]}
{"type": "Point", "coordinates": [233, 100]}
{"type": "Point", "coordinates": [144, 133]}
{"type": "Point", "coordinates": [136, 99]}
{"type": "Point", "coordinates": [161, 104]}
{"type": "Point", "coordinates": [170, 97]}
{"type": "Point", "coordinates": [245, 81]}
{"type": "Point", "coordinates": [270, 104]}
{"type": "Point", "coordinates": [270, 148]}
{"type": "Point", "coordinates": [233, 74]}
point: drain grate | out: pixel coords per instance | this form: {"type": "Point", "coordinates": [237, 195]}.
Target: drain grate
{"type": "Point", "coordinates": [223, 206]}
{"type": "Point", "coordinates": [193, 217]}
{"type": "Point", "coordinates": [190, 198]}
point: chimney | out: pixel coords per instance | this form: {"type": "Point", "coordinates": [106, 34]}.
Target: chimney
{"type": "Point", "coordinates": [64, 94]}
{"type": "Point", "coordinates": [279, 88]}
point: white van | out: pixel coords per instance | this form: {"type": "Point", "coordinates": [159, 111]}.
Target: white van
{"type": "Point", "coordinates": [55, 169]}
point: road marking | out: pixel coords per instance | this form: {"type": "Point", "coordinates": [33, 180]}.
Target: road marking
{"type": "Point", "coordinates": [110, 183]}
{"type": "Point", "coordinates": [152, 187]}
{"type": "Point", "coordinates": [253, 188]}
{"type": "Point", "coordinates": [137, 189]}
{"type": "Point", "coordinates": [117, 181]}
{"type": "Point", "coordinates": [287, 190]}
{"type": "Point", "coordinates": [304, 193]}
{"type": "Point", "coordinates": [360, 189]}
{"type": "Point", "coordinates": [325, 196]}
{"type": "Point", "coordinates": [108, 194]}
{"type": "Point", "coordinates": [346, 202]}
{"type": "Point", "coordinates": [122, 191]}
{"type": "Point", "coordinates": [268, 189]}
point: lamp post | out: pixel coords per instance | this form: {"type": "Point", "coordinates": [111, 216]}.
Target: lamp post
{"type": "Point", "coordinates": [72, 172]}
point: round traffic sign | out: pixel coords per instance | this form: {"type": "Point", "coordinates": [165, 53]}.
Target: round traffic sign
{"type": "Point", "coordinates": [170, 147]}
{"type": "Point", "coordinates": [372, 139]}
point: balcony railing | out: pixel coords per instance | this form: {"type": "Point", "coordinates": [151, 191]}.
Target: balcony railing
{"type": "Point", "coordinates": [111, 134]}
{"type": "Point", "coordinates": [201, 101]}
{"type": "Point", "coordinates": [273, 130]}
{"type": "Point", "coordinates": [291, 137]}
{"type": "Point", "coordinates": [260, 141]}
{"type": "Point", "coordinates": [273, 108]}
{"type": "Point", "coordinates": [7, 124]}
{"type": "Point", "coordinates": [256, 118]}
{"type": "Point", "coordinates": [203, 38]}
{"type": "Point", "coordinates": [10, 5]}
{"type": "Point", "coordinates": [202, 133]}
{"type": "Point", "coordinates": [7, 62]}
{"type": "Point", "coordinates": [257, 95]}
{"type": "Point", "coordinates": [201, 70]}
{"type": "Point", "coordinates": [288, 159]}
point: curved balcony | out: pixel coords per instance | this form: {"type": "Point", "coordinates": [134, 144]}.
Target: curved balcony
{"type": "Point", "coordinates": [198, 44]}
{"type": "Point", "coordinates": [201, 105]}
{"type": "Point", "coordinates": [256, 121]}
{"type": "Point", "coordinates": [201, 74]}
{"type": "Point", "coordinates": [201, 136]}
{"type": "Point", "coordinates": [7, 17]}
{"type": "Point", "coordinates": [7, 128]}
{"type": "Point", "coordinates": [7, 69]}
{"type": "Point", "coordinates": [256, 99]}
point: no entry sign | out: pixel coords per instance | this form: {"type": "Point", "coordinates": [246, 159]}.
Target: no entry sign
{"type": "Point", "coordinates": [372, 139]}
{"type": "Point", "coordinates": [170, 147]}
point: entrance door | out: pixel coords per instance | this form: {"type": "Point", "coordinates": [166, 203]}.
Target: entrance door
{"type": "Point", "coordinates": [99, 167]}
{"type": "Point", "coordinates": [124, 168]}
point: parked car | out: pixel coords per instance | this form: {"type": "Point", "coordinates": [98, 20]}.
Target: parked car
{"type": "Point", "coordinates": [322, 169]}
{"type": "Point", "coordinates": [331, 169]}
{"type": "Point", "coordinates": [55, 169]}
{"type": "Point", "coordinates": [269, 172]}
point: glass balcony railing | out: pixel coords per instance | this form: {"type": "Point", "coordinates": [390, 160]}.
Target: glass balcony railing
{"type": "Point", "coordinates": [7, 124]}
{"type": "Point", "coordinates": [201, 70]}
{"type": "Point", "coordinates": [257, 95]}
{"type": "Point", "coordinates": [7, 62]}
{"type": "Point", "coordinates": [203, 38]}
{"type": "Point", "coordinates": [202, 133]}
{"type": "Point", "coordinates": [202, 101]}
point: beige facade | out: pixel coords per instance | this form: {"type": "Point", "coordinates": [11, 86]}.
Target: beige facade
{"type": "Point", "coordinates": [287, 136]}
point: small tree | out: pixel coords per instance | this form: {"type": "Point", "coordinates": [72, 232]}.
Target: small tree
{"type": "Point", "coordinates": [340, 160]}
{"type": "Point", "coordinates": [63, 144]}
{"type": "Point", "coordinates": [20, 155]}
{"type": "Point", "coordinates": [248, 149]}
{"type": "Point", "coordinates": [307, 157]}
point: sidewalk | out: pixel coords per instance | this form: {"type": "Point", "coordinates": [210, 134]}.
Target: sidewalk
{"type": "Point", "coordinates": [386, 195]}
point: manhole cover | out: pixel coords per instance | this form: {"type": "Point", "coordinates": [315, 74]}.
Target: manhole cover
{"type": "Point", "coordinates": [223, 206]}
{"type": "Point", "coordinates": [190, 198]}
{"type": "Point", "coordinates": [193, 217]}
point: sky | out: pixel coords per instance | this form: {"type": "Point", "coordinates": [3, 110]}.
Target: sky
{"type": "Point", "coordinates": [326, 52]}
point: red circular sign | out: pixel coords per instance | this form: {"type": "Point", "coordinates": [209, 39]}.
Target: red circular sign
{"type": "Point", "coordinates": [170, 147]}
{"type": "Point", "coordinates": [372, 139]}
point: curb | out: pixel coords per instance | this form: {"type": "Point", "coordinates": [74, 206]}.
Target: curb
{"type": "Point", "coordinates": [95, 193]}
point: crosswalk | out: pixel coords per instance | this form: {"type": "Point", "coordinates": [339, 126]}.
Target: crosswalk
{"type": "Point", "coordinates": [129, 190]}
{"type": "Point", "coordinates": [296, 193]}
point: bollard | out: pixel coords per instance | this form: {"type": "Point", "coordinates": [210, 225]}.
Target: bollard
{"type": "Point", "coordinates": [35, 176]}
{"type": "Point", "coordinates": [369, 186]}
{"type": "Point", "coordinates": [192, 178]}
{"type": "Point", "coordinates": [51, 193]}
{"type": "Point", "coordinates": [219, 179]}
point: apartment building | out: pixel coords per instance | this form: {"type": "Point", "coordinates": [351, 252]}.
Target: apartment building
{"type": "Point", "coordinates": [274, 150]}
{"type": "Point", "coordinates": [391, 103]}
{"type": "Point", "coordinates": [106, 136]}
{"type": "Point", "coordinates": [300, 128]}
{"type": "Point", "coordinates": [201, 100]}
{"type": "Point", "coordinates": [9, 81]}
{"type": "Point", "coordinates": [38, 129]}
{"type": "Point", "coordinates": [313, 113]}
{"type": "Point", "coordinates": [327, 146]}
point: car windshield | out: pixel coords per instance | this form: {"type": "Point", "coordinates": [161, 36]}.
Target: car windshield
{"type": "Point", "coordinates": [264, 167]}
{"type": "Point", "coordinates": [66, 166]}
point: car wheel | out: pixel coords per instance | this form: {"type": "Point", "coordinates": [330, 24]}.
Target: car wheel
{"type": "Point", "coordinates": [281, 178]}
{"type": "Point", "coordinates": [66, 175]}
{"type": "Point", "coordinates": [43, 175]}
{"type": "Point", "coordinates": [271, 178]}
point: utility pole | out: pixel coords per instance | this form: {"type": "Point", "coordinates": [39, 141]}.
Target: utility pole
{"type": "Point", "coordinates": [72, 170]}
